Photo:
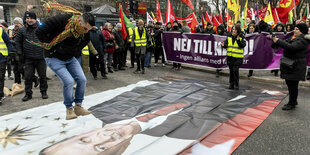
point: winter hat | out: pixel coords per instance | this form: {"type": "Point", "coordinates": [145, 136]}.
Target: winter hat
{"type": "Point", "coordinates": [118, 25]}
{"type": "Point", "coordinates": [302, 27]}
{"type": "Point", "coordinates": [18, 20]}
{"type": "Point", "coordinates": [31, 15]}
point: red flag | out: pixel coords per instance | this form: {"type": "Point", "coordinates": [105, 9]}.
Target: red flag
{"type": "Point", "coordinates": [230, 23]}
{"type": "Point", "coordinates": [215, 21]}
{"type": "Point", "coordinates": [188, 19]}
{"type": "Point", "coordinates": [204, 23]}
{"type": "Point", "coordinates": [275, 16]}
{"type": "Point", "coordinates": [170, 17]}
{"type": "Point", "coordinates": [194, 23]}
{"type": "Point", "coordinates": [158, 13]}
{"type": "Point", "coordinates": [189, 3]}
{"type": "Point", "coordinates": [219, 18]}
{"type": "Point", "coordinates": [121, 20]}
{"type": "Point", "coordinates": [286, 6]}
{"type": "Point", "coordinates": [207, 18]}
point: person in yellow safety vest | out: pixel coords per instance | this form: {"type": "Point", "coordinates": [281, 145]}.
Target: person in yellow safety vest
{"type": "Point", "coordinates": [85, 56]}
{"type": "Point", "coordinates": [5, 48]}
{"type": "Point", "coordinates": [139, 41]}
{"type": "Point", "coordinates": [234, 43]}
{"type": "Point", "coordinates": [131, 49]}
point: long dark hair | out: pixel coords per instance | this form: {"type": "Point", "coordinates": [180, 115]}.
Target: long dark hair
{"type": "Point", "coordinates": [238, 28]}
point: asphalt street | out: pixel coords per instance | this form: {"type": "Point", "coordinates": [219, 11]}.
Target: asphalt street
{"type": "Point", "coordinates": [283, 132]}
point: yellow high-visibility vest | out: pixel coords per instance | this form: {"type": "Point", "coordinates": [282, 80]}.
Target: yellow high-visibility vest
{"type": "Point", "coordinates": [3, 47]}
{"type": "Point", "coordinates": [85, 51]}
{"type": "Point", "coordinates": [234, 50]}
{"type": "Point", "coordinates": [130, 31]}
{"type": "Point", "coordinates": [140, 41]}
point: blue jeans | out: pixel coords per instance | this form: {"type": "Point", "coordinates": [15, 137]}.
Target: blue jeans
{"type": "Point", "coordinates": [148, 58]}
{"type": "Point", "coordinates": [69, 71]}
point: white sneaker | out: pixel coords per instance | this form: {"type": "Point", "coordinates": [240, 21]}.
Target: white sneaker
{"type": "Point", "coordinates": [155, 65]}
{"type": "Point", "coordinates": [164, 65]}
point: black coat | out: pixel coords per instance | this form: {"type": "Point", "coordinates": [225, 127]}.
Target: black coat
{"type": "Point", "coordinates": [157, 37]}
{"type": "Point", "coordinates": [98, 40]}
{"type": "Point", "coordinates": [296, 49]}
{"type": "Point", "coordinates": [23, 47]}
{"type": "Point", "coordinates": [119, 40]}
{"type": "Point", "coordinates": [68, 48]}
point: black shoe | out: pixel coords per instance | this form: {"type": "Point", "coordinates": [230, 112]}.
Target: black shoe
{"type": "Point", "coordinates": [137, 71]}
{"type": "Point", "coordinates": [231, 87]}
{"type": "Point", "coordinates": [95, 78]}
{"type": "Point", "coordinates": [249, 75]}
{"type": "Point", "coordinates": [27, 97]}
{"type": "Point", "coordinates": [36, 82]}
{"type": "Point", "coordinates": [10, 77]}
{"type": "Point", "coordinates": [236, 87]}
{"type": "Point", "coordinates": [44, 95]}
{"type": "Point", "coordinates": [104, 76]}
{"type": "Point", "coordinates": [115, 69]}
{"type": "Point", "coordinates": [288, 107]}
{"type": "Point", "coordinates": [110, 70]}
{"type": "Point", "coordinates": [276, 74]}
{"type": "Point", "coordinates": [1, 100]}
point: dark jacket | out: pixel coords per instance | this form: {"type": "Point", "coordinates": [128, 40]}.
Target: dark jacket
{"type": "Point", "coordinates": [222, 33]}
{"type": "Point", "coordinates": [23, 47]}
{"type": "Point", "coordinates": [68, 48]}
{"type": "Point", "coordinates": [199, 29]}
{"type": "Point", "coordinates": [211, 31]}
{"type": "Point", "coordinates": [296, 49]}
{"type": "Point", "coordinates": [157, 37]}
{"type": "Point", "coordinates": [119, 40]}
{"type": "Point", "coordinates": [98, 40]}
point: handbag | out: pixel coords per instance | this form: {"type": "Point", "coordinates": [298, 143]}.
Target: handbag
{"type": "Point", "coordinates": [287, 62]}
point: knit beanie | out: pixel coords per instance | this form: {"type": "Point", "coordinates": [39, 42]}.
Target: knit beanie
{"type": "Point", "coordinates": [302, 27]}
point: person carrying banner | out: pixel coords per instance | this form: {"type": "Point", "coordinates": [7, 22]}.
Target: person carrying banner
{"type": "Point", "coordinates": [293, 63]}
{"type": "Point", "coordinates": [234, 43]}
{"type": "Point", "coordinates": [176, 28]}
{"type": "Point", "coordinates": [139, 41]}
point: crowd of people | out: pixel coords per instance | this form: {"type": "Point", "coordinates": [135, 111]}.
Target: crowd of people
{"type": "Point", "coordinates": [105, 49]}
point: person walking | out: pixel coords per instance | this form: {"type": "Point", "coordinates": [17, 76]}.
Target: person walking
{"type": "Point", "coordinates": [139, 41]}
{"type": "Point", "coordinates": [61, 55]}
{"type": "Point", "coordinates": [293, 63]}
{"type": "Point", "coordinates": [33, 56]}
{"type": "Point", "coordinates": [234, 43]}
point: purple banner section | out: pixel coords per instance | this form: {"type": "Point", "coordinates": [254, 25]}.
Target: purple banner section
{"type": "Point", "coordinates": [205, 50]}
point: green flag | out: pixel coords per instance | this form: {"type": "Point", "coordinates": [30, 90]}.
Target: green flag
{"type": "Point", "coordinates": [127, 21]}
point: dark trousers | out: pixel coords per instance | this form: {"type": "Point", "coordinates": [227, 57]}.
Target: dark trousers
{"type": "Point", "coordinates": [157, 53]}
{"type": "Point", "coordinates": [30, 66]}
{"type": "Point", "coordinates": [293, 91]}
{"type": "Point", "coordinates": [118, 56]}
{"type": "Point", "coordinates": [132, 56]}
{"type": "Point", "coordinates": [18, 69]}
{"type": "Point", "coordinates": [8, 66]}
{"type": "Point", "coordinates": [2, 74]}
{"type": "Point", "coordinates": [94, 64]}
{"type": "Point", "coordinates": [234, 65]}
{"type": "Point", "coordinates": [140, 61]}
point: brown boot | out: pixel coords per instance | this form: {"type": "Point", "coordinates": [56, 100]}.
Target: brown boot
{"type": "Point", "coordinates": [80, 111]}
{"type": "Point", "coordinates": [70, 114]}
